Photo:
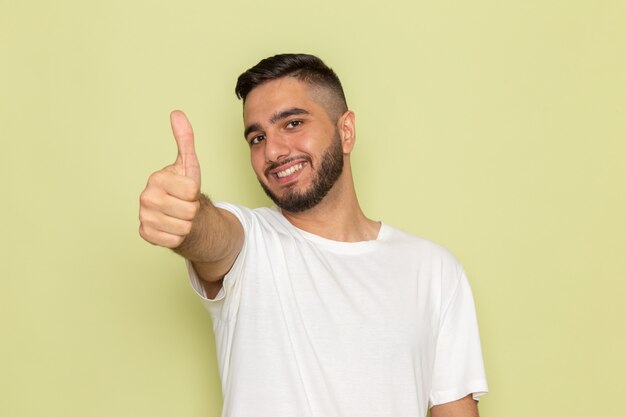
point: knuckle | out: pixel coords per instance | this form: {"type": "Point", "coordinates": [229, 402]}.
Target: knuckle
{"type": "Point", "coordinates": [146, 213]}
{"type": "Point", "coordinates": [144, 199]}
{"type": "Point", "coordinates": [157, 178]}
{"type": "Point", "coordinates": [149, 198]}
{"type": "Point", "coordinates": [143, 218]}
{"type": "Point", "coordinates": [150, 201]}
{"type": "Point", "coordinates": [146, 235]}
{"type": "Point", "coordinates": [153, 179]}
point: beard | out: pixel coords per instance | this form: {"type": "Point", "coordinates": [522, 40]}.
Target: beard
{"type": "Point", "coordinates": [326, 175]}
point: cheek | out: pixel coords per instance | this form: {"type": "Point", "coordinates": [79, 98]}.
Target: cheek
{"type": "Point", "coordinates": [308, 142]}
{"type": "Point", "coordinates": [258, 162]}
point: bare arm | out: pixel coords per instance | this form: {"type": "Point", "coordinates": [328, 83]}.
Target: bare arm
{"type": "Point", "coordinates": [465, 407]}
{"type": "Point", "coordinates": [215, 240]}
{"type": "Point", "coordinates": [174, 214]}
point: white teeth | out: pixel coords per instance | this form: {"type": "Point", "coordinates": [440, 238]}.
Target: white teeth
{"type": "Point", "coordinates": [289, 171]}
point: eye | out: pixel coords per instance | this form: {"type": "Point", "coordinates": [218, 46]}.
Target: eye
{"type": "Point", "coordinates": [293, 124]}
{"type": "Point", "coordinates": [255, 140]}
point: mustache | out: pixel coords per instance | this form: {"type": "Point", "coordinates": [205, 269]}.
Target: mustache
{"type": "Point", "coordinates": [275, 165]}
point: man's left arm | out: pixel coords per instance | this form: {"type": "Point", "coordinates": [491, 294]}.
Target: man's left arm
{"type": "Point", "coordinates": [465, 407]}
{"type": "Point", "coordinates": [458, 375]}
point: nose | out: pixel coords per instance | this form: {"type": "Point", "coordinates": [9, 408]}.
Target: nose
{"type": "Point", "coordinates": [276, 147]}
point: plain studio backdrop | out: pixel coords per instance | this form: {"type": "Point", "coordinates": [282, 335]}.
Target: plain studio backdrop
{"type": "Point", "coordinates": [495, 128]}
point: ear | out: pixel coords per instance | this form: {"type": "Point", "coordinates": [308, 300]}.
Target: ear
{"type": "Point", "coordinates": [347, 131]}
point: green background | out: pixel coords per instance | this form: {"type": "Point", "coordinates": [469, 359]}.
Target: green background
{"type": "Point", "coordinates": [496, 128]}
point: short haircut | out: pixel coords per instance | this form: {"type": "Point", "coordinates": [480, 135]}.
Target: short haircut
{"type": "Point", "coordinates": [307, 68]}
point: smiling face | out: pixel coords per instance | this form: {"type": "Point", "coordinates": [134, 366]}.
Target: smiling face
{"type": "Point", "coordinates": [296, 148]}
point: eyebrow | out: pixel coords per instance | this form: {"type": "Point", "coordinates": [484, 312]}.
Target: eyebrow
{"type": "Point", "coordinates": [294, 111]}
{"type": "Point", "coordinates": [276, 117]}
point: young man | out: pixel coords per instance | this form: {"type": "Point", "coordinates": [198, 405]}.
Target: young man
{"type": "Point", "coordinates": [317, 309]}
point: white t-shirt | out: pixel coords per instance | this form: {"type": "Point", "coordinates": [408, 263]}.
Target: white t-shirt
{"type": "Point", "coordinates": [306, 326]}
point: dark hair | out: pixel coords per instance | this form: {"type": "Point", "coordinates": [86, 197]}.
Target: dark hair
{"type": "Point", "coordinates": [307, 68]}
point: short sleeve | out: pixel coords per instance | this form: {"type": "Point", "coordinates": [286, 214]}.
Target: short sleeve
{"type": "Point", "coordinates": [458, 369]}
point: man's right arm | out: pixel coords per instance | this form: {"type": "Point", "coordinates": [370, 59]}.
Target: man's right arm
{"type": "Point", "coordinates": [174, 214]}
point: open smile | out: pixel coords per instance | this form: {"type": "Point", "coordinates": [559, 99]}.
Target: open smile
{"type": "Point", "coordinates": [287, 170]}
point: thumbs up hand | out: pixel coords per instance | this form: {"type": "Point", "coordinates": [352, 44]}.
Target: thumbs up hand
{"type": "Point", "coordinates": [171, 199]}
{"type": "Point", "coordinates": [187, 159]}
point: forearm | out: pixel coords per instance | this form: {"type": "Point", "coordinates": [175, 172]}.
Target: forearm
{"type": "Point", "coordinates": [215, 240]}
{"type": "Point", "coordinates": [465, 407]}
{"type": "Point", "coordinates": [174, 214]}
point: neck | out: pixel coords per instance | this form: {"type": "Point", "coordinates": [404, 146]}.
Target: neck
{"type": "Point", "coordinates": [338, 216]}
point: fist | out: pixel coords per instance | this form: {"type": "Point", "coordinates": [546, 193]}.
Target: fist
{"type": "Point", "coordinates": [170, 201]}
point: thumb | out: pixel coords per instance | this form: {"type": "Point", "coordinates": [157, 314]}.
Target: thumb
{"type": "Point", "coordinates": [183, 134]}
